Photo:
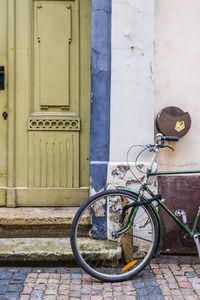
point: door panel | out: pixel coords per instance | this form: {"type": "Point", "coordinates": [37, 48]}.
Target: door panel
{"type": "Point", "coordinates": [52, 38]}
{"type": "Point", "coordinates": [51, 148]}
{"type": "Point", "coordinates": [53, 160]}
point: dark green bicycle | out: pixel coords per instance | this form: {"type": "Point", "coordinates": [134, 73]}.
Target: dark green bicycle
{"type": "Point", "coordinates": [115, 233]}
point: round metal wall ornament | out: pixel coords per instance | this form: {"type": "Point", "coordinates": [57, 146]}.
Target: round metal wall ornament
{"type": "Point", "coordinates": [173, 121]}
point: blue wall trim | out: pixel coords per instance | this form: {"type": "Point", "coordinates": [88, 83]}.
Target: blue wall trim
{"type": "Point", "coordinates": [100, 106]}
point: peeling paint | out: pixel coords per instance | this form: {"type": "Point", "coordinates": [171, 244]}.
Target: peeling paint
{"type": "Point", "coordinates": [99, 219]}
{"type": "Point", "coordinates": [136, 245]}
{"type": "Point", "coordinates": [120, 175]}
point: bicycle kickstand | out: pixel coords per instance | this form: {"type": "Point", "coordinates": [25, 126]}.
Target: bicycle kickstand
{"type": "Point", "coordinates": [197, 242]}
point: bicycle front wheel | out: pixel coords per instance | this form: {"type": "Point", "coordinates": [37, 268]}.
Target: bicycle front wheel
{"type": "Point", "coordinates": [96, 244]}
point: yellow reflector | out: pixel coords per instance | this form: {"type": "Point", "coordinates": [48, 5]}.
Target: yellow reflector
{"type": "Point", "coordinates": [132, 263]}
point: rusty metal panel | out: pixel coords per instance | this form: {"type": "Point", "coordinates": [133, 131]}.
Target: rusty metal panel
{"type": "Point", "coordinates": [180, 192]}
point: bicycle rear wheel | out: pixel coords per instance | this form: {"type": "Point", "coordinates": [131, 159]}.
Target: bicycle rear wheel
{"type": "Point", "coordinates": [95, 245]}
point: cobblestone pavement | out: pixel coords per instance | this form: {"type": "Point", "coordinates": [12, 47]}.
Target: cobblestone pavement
{"type": "Point", "coordinates": [166, 278]}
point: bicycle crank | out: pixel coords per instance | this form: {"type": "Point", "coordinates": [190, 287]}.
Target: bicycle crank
{"type": "Point", "coordinates": [185, 239]}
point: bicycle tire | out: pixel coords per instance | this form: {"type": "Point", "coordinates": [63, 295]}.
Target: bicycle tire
{"type": "Point", "coordinates": [99, 253]}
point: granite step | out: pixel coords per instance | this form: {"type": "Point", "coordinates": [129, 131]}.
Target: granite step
{"type": "Point", "coordinates": [36, 221]}
{"type": "Point", "coordinates": [50, 249]}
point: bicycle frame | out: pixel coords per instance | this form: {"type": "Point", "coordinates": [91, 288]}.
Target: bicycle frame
{"type": "Point", "coordinates": [140, 195]}
{"type": "Point", "coordinates": [192, 231]}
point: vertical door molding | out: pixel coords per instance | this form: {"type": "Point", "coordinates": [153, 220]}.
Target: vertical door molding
{"type": "Point", "coordinates": [78, 56]}
{"type": "Point", "coordinates": [11, 202]}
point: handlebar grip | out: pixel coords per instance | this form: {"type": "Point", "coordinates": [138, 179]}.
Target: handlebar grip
{"type": "Point", "coordinates": [171, 138]}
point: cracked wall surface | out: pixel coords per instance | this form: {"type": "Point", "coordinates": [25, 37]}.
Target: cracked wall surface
{"type": "Point", "coordinates": [121, 175]}
{"type": "Point", "coordinates": [132, 84]}
{"type": "Point", "coordinates": [123, 63]}
{"type": "Point", "coordinates": [132, 77]}
{"type": "Point", "coordinates": [132, 98]}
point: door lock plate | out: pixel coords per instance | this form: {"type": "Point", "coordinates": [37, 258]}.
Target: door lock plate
{"type": "Point", "coordinates": [5, 115]}
{"type": "Point", "coordinates": [2, 78]}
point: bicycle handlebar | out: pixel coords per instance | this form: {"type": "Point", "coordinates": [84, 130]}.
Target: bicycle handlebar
{"type": "Point", "coordinates": [160, 143]}
{"type": "Point", "coordinates": [162, 138]}
{"type": "Point", "coordinates": [171, 138]}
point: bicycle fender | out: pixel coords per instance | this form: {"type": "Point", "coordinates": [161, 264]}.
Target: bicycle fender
{"type": "Point", "coordinates": [160, 225]}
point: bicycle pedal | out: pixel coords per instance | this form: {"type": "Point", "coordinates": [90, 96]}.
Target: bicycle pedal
{"type": "Point", "coordinates": [197, 242]}
{"type": "Point", "coordinates": [181, 213]}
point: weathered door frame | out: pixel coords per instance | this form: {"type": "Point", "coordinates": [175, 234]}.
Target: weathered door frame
{"type": "Point", "coordinates": [11, 104]}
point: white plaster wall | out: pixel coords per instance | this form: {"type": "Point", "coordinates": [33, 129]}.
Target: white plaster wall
{"type": "Point", "coordinates": [132, 82]}
{"type": "Point", "coordinates": [177, 74]}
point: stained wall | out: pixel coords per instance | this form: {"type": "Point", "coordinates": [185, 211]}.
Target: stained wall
{"type": "Point", "coordinates": [177, 74]}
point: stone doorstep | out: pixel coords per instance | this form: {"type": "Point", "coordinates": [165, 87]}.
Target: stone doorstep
{"type": "Point", "coordinates": [34, 249]}
{"type": "Point", "coordinates": [46, 249]}
{"type": "Point", "coordinates": [37, 215]}
{"type": "Point", "coordinates": [40, 222]}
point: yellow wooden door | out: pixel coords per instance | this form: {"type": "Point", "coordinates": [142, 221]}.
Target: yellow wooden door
{"type": "Point", "coordinates": [49, 102]}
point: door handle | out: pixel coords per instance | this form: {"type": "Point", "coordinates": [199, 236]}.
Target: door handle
{"type": "Point", "coordinates": [2, 78]}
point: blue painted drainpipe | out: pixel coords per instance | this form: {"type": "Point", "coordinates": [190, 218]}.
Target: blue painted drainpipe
{"type": "Point", "coordinates": [100, 106]}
